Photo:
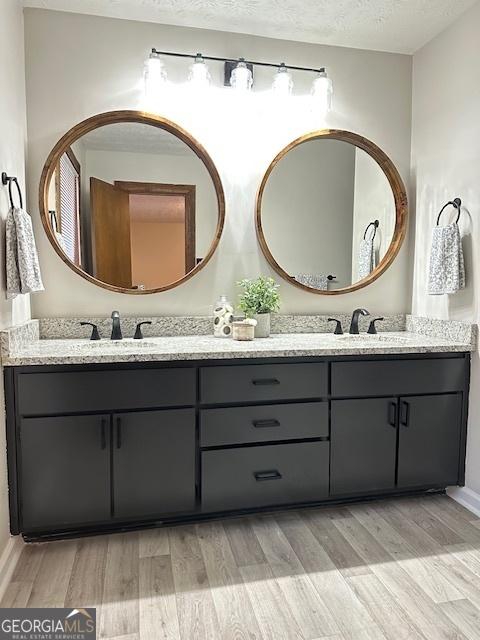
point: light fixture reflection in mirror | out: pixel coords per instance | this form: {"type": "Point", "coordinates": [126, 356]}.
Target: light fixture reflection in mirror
{"type": "Point", "coordinates": [135, 205]}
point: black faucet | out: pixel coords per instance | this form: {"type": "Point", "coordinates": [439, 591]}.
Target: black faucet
{"type": "Point", "coordinates": [116, 329]}
{"type": "Point", "coordinates": [354, 323]}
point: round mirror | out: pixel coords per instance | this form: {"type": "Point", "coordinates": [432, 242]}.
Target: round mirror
{"type": "Point", "coordinates": [331, 212]}
{"type": "Point", "coordinates": [132, 202]}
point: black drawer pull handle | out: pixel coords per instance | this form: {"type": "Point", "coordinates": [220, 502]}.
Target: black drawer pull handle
{"type": "Point", "coordinates": [392, 414]}
{"type": "Point", "coordinates": [265, 382]}
{"type": "Point", "coordinates": [119, 433]}
{"type": "Point", "coordinates": [261, 476]}
{"type": "Point", "coordinates": [262, 424]}
{"type": "Point", "coordinates": [103, 434]}
{"type": "Point", "coordinates": [405, 413]}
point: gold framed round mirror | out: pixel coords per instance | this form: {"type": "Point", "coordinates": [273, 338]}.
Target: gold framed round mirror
{"type": "Point", "coordinates": [132, 202]}
{"type": "Point", "coordinates": [331, 212]}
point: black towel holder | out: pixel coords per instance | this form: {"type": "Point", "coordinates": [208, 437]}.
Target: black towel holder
{"type": "Point", "coordinates": [374, 224]}
{"type": "Point", "coordinates": [457, 203]}
{"type": "Point", "coordinates": [8, 180]}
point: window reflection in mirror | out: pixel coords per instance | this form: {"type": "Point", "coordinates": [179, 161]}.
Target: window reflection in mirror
{"type": "Point", "coordinates": [133, 206]}
{"type": "Point", "coordinates": [318, 212]}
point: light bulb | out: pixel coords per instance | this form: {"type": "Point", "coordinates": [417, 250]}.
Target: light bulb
{"type": "Point", "coordinates": [154, 75]}
{"type": "Point", "coordinates": [282, 82]}
{"type": "Point", "coordinates": [241, 78]}
{"type": "Point", "coordinates": [322, 92]}
{"type": "Point", "coordinates": [199, 76]}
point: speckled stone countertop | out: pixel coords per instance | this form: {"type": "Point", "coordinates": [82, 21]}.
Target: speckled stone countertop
{"type": "Point", "coordinates": [203, 347]}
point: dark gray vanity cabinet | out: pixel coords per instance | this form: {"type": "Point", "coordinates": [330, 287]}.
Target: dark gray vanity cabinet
{"type": "Point", "coordinates": [429, 440]}
{"type": "Point", "coordinates": [153, 463]}
{"type": "Point", "coordinates": [363, 445]}
{"type": "Point", "coordinates": [104, 447]}
{"type": "Point", "coordinates": [65, 471]}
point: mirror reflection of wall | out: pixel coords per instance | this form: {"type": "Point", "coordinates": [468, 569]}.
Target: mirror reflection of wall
{"type": "Point", "coordinates": [133, 206]}
{"type": "Point", "coordinates": [316, 205]}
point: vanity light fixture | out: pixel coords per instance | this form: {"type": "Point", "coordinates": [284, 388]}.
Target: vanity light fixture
{"type": "Point", "coordinates": [239, 75]}
{"type": "Point", "coordinates": [322, 92]}
{"type": "Point", "coordinates": [282, 83]}
{"type": "Point", "coordinates": [154, 75]}
{"type": "Point", "coordinates": [241, 78]}
{"type": "Point", "coordinates": [199, 76]}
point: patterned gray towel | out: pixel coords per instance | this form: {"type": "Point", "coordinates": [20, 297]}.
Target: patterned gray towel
{"type": "Point", "coordinates": [314, 281]}
{"type": "Point", "coordinates": [21, 259]}
{"type": "Point", "coordinates": [447, 268]}
{"type": "Point", "coordinates": [366, 258]}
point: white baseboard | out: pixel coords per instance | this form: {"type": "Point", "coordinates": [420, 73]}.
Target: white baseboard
{"type": "Point", "coordinates": [467, 498]}
{"type": "Point", "coordinates": [8, 561]}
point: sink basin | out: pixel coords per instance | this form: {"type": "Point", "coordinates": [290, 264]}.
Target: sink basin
{"type": "Point", "coordinates": [366, 337]}
{"type": "Point", "coordinates": [128, 343]}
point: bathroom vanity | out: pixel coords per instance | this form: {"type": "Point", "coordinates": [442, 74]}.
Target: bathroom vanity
{"type": "Point", "coordinates": [96, 444]}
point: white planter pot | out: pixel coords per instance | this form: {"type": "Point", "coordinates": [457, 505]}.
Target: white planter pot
{"type": "Point", "coordinates": [262, 330]}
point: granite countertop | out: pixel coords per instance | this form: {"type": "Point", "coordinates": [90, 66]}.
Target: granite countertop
{"type": "Point", "coordinates": [203, 347]}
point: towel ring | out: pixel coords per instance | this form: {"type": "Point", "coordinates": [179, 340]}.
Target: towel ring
{"type": "Point", "coordinates": [375, 225]}
{"type": "Point", "coordinates": [8, 180]}
{"type": "Point", "coordinates": [457, 203]}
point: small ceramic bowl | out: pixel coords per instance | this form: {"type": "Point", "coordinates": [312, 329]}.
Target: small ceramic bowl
{"type": "Point", "coordinates": [244, 330]}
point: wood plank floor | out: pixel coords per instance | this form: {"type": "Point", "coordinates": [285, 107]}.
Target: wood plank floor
{"type": "Point", "coordinates": [392, 570]}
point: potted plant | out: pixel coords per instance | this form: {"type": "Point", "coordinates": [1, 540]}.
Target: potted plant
{"type": "Point", "coordinates": [258, 300]}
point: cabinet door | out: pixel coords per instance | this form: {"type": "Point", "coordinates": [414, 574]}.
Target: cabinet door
{"type": "Point", "coordinates": [363, 446]}
{"type": "Point", "coordinates": [153, 462]}
{"type": "Point", "coordinates": [65, 471]}
{"type": "Point", "coordinates": [429, 440]}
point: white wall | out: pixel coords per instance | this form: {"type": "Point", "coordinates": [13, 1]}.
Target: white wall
{"type": "Point", "coordinates": [79, 65]}
{"type": "Point", "coordinates": [12, 156]}
{"type": "Point", "coordinates": [446, 164]}
{"type": "Point", "coordinates": [307, 210]}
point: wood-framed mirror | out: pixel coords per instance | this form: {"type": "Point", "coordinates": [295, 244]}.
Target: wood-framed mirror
{"type": "Point", "coordinates": [331, 212]}
{"type": "Point", "coordinates": [132, 202]}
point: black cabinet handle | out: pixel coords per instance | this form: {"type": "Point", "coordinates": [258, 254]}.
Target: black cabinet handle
{"type": "Point", "coordinates": [265, 382]}
{"type": "Point", "coordinates": [103, 433]}
{"type": "Point", "coordinates": [262, 424]}
{"type": "Point", "coordinates": [392, 414]}
{"type": "Point", "coordinates": [119, 433]}
{"type": "Point", "coordinates": [261, 476]}
{"type": "Point", "coordinates": [405, 413]}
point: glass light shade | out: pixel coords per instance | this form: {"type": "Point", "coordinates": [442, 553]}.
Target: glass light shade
{"type": "Point", "coordinates": [241, 78]}
{"type": "Point", "coordinates": [154, 75]}
{"type": "Point", "coordinates": [199, 76]}
{"type": "Point", "coordinates": [322, 92]}
{"type": "Point", "coordinates": [282, 82]}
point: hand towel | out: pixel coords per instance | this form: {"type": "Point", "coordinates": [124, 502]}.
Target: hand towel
{"type": "Point", "coordinates": [447, 268]}
{"type": "Point", "coordinates": [314, 281]}
{"type": "Point", "coordinates": [366, 257]}
{"type": "Point", "coordinates": [21, 258]}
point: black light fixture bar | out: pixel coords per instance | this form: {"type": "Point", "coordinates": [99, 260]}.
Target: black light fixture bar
{"type": "Point", "coordinates": [255, 63]}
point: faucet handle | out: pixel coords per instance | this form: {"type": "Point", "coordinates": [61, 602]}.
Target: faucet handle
{"type": "Point", "coordinates": [138, 331]}
{"type": "Point", "coordinates": [372, 329]}
{"type": "Point", "coordinates": [95, 335]}
{"type": "Point", "coordinates": [338, 328]}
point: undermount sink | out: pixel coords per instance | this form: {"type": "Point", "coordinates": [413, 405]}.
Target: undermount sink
{"type": "Point", "coordinates": [118, 344]}
{"type": "Point", "coordinates": [366, 337]}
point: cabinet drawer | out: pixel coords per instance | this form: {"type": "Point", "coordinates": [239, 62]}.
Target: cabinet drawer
{"type": "Point", "coordinates": [69, 392]}
{"type": "Point", "coordinates": [264, 476]}
{"type": "Point", "coordinates": [397, 377]}
{"type": "Point", "coordinates": [263, 382]}
{"type": "Point", "coordinates": [241, 425]}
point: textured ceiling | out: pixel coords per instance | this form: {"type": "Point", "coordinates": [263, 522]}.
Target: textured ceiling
{"type": "Point", "coordinates": [387, 25]}
{"type": "Point", "coordinates": [135, 138]}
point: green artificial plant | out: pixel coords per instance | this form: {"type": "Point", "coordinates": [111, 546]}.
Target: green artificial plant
{"type": "Point", "coordinates": [259, 296]}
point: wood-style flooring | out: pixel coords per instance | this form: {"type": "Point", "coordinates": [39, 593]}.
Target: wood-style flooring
{"type": "Point", "coordinates": [398, 570]}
